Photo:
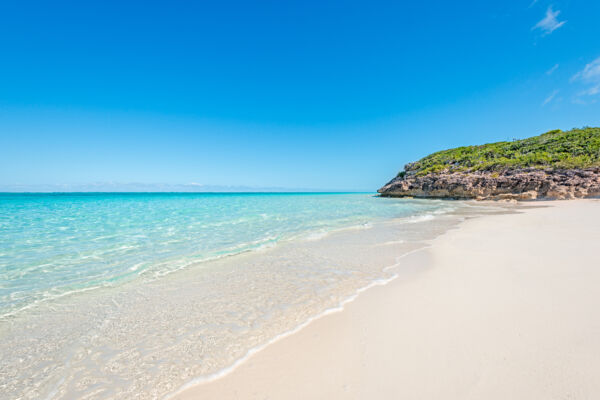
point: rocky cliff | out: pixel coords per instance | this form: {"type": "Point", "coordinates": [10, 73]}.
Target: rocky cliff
{"type": "Point", "coordinates": [553, 165]}
{"type": "Point", "coordinates": [518, 184]}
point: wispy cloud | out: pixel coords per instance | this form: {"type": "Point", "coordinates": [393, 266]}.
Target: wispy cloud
{"type": "Point", "coordinates": [551, 70]}
{"type": "Point", "coordinates": [590, 76]}
{"type": "Point", "coordinates": [586, 97]}
{"type": "Point", "coordinates": [589, 73]}
{"type": "Point", "coordinates": [591, 91]}
{"type": "Point", "coordinates": [550, 98]}
{"type": "Point", "coordinates": [549, 23]}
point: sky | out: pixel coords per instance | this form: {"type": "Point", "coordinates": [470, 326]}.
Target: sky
{"type": "Point", "coordinates": [318, 95]}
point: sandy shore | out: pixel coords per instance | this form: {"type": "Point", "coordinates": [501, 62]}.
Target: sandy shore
{"type": "Point", "coordinates": [504, 307]}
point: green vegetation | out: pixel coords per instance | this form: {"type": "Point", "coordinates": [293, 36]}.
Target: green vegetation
{"type": "Point", "coordinates": [577, 148]}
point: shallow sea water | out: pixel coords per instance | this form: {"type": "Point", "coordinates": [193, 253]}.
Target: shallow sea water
{"type": "Point", "coordinates": [138, 295]}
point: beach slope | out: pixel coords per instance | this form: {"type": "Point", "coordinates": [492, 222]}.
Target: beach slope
{"type": "Point", "coordinates": [504, 307]}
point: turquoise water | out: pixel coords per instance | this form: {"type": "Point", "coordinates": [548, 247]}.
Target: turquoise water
{"type": "Point", "coordinates": [56, 244]}
{"type": "Point", "coordinates": [139, 295]}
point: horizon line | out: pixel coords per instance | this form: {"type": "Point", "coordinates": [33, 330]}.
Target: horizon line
{"type": "Point", "coordinates": [207, 192]}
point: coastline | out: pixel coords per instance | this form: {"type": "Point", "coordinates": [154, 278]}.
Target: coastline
{"type": "Point", "coordinates": [147, 338]}
{"type": "Point", "coordinates": [206, 379]}
{"type": "Point", "coordinates": [468, 317]}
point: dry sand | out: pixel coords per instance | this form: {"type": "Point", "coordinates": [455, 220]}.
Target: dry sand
{"type": "Point", "coordinates": [504, 307]}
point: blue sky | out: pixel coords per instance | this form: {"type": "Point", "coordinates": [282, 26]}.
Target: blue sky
{"type": "Point", "coordinates": [307, 94]}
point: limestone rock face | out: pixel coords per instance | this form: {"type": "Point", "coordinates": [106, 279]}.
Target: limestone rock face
{"type": "Point", "coordinates": [517, 184]}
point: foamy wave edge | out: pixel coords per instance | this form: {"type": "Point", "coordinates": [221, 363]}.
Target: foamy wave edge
{"type": "Point", "coordinates": [254, 350]}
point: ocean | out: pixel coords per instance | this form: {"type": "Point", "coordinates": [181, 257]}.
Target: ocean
{"type": "Point", "coordinates": [120, 295]}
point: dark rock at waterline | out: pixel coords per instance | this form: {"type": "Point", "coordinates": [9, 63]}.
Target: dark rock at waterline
{"type": "Point", "coordinates": [517, 184]}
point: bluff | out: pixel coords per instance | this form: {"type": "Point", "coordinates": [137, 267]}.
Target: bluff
{"type": "Point", "coordinates": [554, 165]}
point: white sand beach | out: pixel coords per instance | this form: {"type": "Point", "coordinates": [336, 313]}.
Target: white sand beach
{"type": "Point", "coordinates": [504, 307]}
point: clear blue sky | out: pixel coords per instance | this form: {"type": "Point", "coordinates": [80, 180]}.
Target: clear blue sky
{"type": "Point", "coordinates": [306, 94]}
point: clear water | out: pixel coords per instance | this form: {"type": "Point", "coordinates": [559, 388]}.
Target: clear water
{"type": "Point", "coordinates": [138, 295]}
{"type": "Point", "coordinates": [52, 244]}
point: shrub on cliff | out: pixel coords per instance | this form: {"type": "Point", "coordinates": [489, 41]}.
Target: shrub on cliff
{"type": "Point", "coordinates": [577, 148]}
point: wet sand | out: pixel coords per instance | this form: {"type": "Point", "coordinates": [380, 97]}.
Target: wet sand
{"type": "Point", "coordinates": [504, 307]}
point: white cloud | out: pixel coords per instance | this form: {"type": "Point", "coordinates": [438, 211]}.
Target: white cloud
{"type": "Point", "coordinates": [589, 76]}
{"type": "Point", "coordinates": [549, 23]}
{"type": "Point", "coordinates": [592, 91]}
{"type": "Point", "coordinates": [551, 70]}
{"type": "Point", "coordinates": [550, 98]}
{"type": "Point", "coordinates": [590, 73]}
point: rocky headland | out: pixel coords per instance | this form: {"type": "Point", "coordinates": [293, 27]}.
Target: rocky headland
{"type": "Point", "coordinates": [517, 184]}
{"type": "Point", "coordinates": [554, 165]}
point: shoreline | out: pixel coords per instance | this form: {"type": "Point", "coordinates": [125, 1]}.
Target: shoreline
{"type": "Point", "coordinates": [497, 209]}
{"type": "Point", "coordinates": [313, 353]}
{"type": "Point", "coordinates": [206, 379]}
{"type": "Point", "coordinates": [148, 338]}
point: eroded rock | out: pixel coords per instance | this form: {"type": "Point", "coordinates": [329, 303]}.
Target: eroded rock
{"type": "Point", "coordinates": [515, 184]}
